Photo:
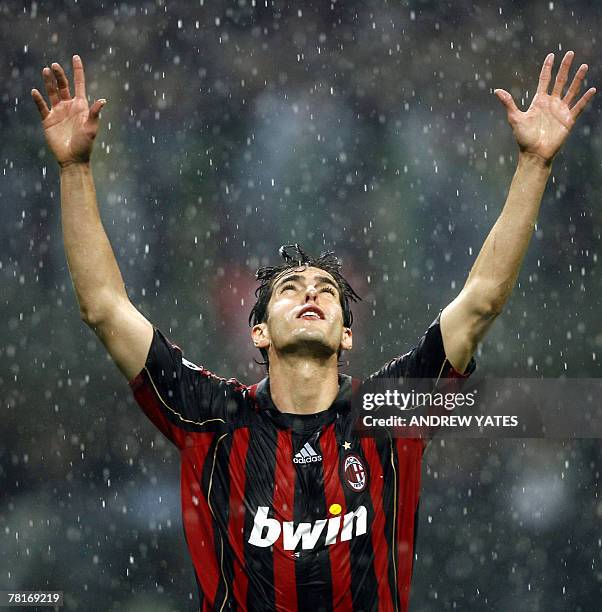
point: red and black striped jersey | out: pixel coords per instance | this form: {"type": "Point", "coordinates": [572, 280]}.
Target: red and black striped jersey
{"type": "Point", "coordinates": [284, 511]}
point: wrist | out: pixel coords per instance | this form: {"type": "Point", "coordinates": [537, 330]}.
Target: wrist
{"type": "Point", "coordinates": [534, 160]}
{"type": "Point", "coordinates": [73, 166]}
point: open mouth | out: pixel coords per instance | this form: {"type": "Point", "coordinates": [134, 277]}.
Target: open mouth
{"type": "Point", "coordinates": [311, 313]}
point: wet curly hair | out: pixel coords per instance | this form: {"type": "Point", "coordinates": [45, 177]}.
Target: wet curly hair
{"type": "Point", "coordinates": [295, 257]}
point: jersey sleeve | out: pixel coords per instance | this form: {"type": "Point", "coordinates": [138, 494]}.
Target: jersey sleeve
{"type": "Point", "coordinates": [426, 360]}
{"type": "Point", "coordinates": [179, 397]}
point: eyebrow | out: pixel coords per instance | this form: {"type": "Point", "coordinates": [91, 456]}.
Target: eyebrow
{"type": "Point", "coordinates": [297, 277]}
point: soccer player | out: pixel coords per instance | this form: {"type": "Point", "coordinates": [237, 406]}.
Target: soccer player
{"type": "Point", "coordinates": [283, 507]}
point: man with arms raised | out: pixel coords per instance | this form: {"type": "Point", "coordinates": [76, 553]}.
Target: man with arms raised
{"type": "Point", "coordinates": [283, 507]}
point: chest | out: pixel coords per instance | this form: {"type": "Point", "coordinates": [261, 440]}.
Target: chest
{"type": "Point", "coordinates": [302, 475]}
{"type": "Point", "coordinates": [299, 491]}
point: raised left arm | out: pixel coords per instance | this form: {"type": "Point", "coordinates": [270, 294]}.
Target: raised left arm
{"type": "Point", "coordinates": [540, 132]}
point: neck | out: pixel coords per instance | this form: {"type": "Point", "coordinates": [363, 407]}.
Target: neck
{"type": "Point", "coordinates": [303, 385]}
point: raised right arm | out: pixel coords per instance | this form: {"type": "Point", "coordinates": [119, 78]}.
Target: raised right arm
{"type": "Point", "coordinates": [103, 302]}
{"type": "Point", "coordinates": [70, 128]}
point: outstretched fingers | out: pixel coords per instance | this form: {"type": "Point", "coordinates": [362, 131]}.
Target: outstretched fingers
{"type": "Point", "coordinates": [508, 101]}
{"type": "Point", "coordinates": [93, 115]}
{"type": "Point", "coordinates": [563, 73]}
{"type": "Point", "coordinates": [546, 74]}
{"type": "Point", "coordinates": [50, 84]}
{"type": "Point", "coordinates": [575, 87]}
{"type": "Point", "coordinates": [79, 78]}
{"type": "Point", "coordinates": [40, 103]}
{"type": "Point", "coordinates": [61, 81]}
{"type": "Point", "coordinates": [96, 108]}
{"type": "Point", "coordinates": [583, 102]}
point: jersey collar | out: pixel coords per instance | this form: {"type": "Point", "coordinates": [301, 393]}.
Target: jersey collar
{"type": "Point", "coordinates": [341, 403]}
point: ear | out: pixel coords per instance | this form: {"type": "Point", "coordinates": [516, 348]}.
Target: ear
{"type": "Point", "coordinates": [347, 339]}
{"type": "Point", "coordinates": [260, 336]}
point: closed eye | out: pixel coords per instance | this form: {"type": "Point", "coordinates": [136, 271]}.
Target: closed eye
{"type": "Point", "coordinates": [329, 290]}
{"type": "Point", "coordinates": [288, 286]}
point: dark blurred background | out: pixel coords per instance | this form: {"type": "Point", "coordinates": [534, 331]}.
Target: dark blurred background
{"type": "Point", "coordinates": [230, 129]}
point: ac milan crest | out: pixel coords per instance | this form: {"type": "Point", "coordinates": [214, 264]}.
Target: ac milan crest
{"type": "Point", "coordinates": [354, 473]}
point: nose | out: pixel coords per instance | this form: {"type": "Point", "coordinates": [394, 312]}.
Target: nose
{"type": "Point", "coordinates": [311, 294]}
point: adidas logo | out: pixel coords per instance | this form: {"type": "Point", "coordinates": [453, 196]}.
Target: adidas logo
{"type": "Point", "coordinates": [307, 455]}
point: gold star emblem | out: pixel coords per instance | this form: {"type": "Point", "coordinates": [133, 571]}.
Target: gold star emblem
{"type": "Point", "coordinates": [346, 445]}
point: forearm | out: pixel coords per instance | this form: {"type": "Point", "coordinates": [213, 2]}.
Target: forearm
{"type": "Point", "coordinates": [496, 268]}
{"type": "Point", "coordinates": [94, 271]}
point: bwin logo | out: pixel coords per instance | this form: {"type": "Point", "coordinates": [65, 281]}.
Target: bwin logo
{"type": "Point", "coordinates": [266, 531]}
{"type": "Point", "coordinates": [307, 455]}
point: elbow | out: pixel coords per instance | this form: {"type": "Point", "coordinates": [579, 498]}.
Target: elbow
{"type": "Point", "coordinates": [491, 306]}
{"type": "Point", "coordinates": [488, 302]}
{"type": "Point", "coordinates": [90, 317]}
{"type": "Point", "coordinates": [492, 309]}
{"type": "Point", "coordinates": [96, 311]}
{"type": "Point", "coordinates": [94, 315]}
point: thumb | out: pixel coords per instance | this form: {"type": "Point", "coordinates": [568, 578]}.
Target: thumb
{"type": "Point", "coordinates": [506, 99]}
{"type": "Point", "coordinates": [94, 112]}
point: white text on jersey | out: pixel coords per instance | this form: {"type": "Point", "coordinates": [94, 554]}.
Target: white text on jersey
{"type": "Point", "coordinates": [307, 455]}
{"type": "Point", "coordinates": [266, 531]}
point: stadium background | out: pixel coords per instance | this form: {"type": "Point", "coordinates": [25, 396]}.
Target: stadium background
{"type": "Point", "coordinates": [367, 127]}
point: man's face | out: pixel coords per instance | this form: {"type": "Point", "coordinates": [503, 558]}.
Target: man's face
{"type": "Point", "coordinates": [304, 315]}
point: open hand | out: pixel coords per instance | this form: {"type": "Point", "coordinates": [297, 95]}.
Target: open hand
{"type": "Point", "coordinates": [544, 127]}
{"type": "Point", "coordinates": [69, 125]}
